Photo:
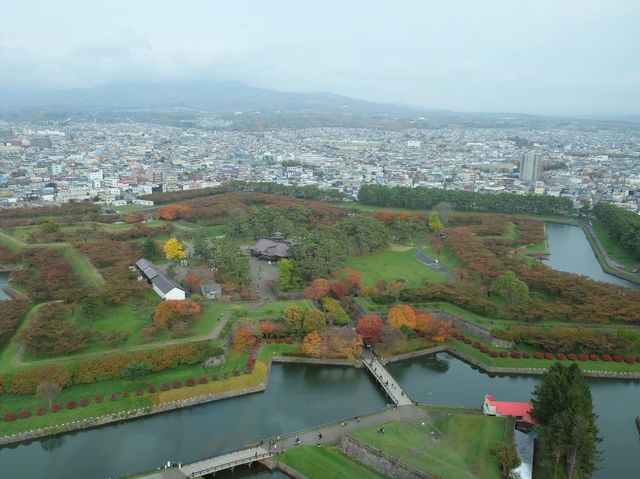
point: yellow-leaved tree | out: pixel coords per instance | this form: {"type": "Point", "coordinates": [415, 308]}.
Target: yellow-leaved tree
{"type": "Point", "coordinates": [173, 249]}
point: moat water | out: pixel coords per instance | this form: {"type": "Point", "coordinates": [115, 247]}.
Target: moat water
{"type": "Point", "coordinates": [4, 277]}
{"type": "Point", "coordinates": [571, 252]}
{"type": "Point", "coordinates": [299, 396]}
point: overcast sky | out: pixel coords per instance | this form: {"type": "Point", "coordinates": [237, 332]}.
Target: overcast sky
{"type": "Point", "coordinates": [537, 56]}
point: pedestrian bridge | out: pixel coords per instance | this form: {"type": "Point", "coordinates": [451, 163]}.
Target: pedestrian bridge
{"type": "Point", "coordinates": [224, 461]}
{"type": "Point", "coordinates": [385, 379]}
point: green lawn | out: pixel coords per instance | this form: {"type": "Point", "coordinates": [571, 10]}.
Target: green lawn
{"type": "Point", "coordinates": [446, 257]}
{"type": "Point", "coordinates": [274, 309]}
{"type": "Point", "coordinates": [130, 208]}
{"type": "Point", "coordinates": [326, 462]}
{"type": "Point", "coordinates": [393, 265]}
{"type": "Point", "coordinates": [613, 248]}
{"type": "Point", "coordinates": [458, 446]}
{"type": "Point", "coordinates": [82, 267]}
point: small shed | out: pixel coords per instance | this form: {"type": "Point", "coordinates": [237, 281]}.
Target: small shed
{"type": "Point", "coordinates": [211, 290]}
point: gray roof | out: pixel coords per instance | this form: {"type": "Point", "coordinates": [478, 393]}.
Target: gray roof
{"type": "Point", "coordinates": [165, 284]}
{"type": "Point", "coordinates": [267, 247]}
{"type": "Point", "coordinates": [143, 264]}
{"type": "Point", "coordinates": [151, 272]}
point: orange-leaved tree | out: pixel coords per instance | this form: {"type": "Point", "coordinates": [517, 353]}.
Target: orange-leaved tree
{"type": "Point", "coordinates": [370, 327]}
{"type": "Point", "coordinates": [267, 328]}
{"type": "Point", "coordinates": [172, 212]}
{"type": "Point", "coordinates": [318, 288]}
{"type": "Point", "coordinates": [312, 344]}
{"type": "Point", "coordinates": [402, 315]}
{"type": "Point", "coordinates": [243, 339]}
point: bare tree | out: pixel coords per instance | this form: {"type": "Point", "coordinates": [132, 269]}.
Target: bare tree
{"type": "Point", "coordinates": [48, 390]}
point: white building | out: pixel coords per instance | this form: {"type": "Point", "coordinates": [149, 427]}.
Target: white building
{"type": "Point", "coordinates": [530, 166]}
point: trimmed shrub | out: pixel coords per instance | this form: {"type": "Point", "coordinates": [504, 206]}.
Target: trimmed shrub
{"type": "Point", "coordinates": [476, 344]}
{"type": "Point", "coordinates": [113, 396]}
{"type": "Point", "coordinates": [236, 372]}
{"type": "Point", "coordinates": [56, 408]}
{"type": "Point", "coordinates": [538, 355]}
{"type": "Point", "coordinates": [572, 357]}
{"type": "Point", "coordinates": [84, 402]}
{"type": "Point", "coordinates": [72, 405]}
{"type": "Point", "coordinates": [629, 359]}
{"type": "Point", "coordinates": [225, 375]}
{"type": "Point", "coordinates": [10, 416]}
{"type": "Point", "coordinates": [484, 349]}
{"type": "Point", "coordinates": [165, 387]}
{"type": "Point", "coordinates": [279, 340]}
{"type": "Point", "coordinates": [503, 354]}
{"type": "Point", "coordinates": [99, 399]}
{"type": "Point", "coordinates": [203, 380]}
{"type": "Point", "coordinates": [617, 358]}
{"type": "Point", "coordinates": [125, 394]}
{"type": "Point", "coordinates": [606, 357]}
{"type": "Point", "coordinates": [247, 370]}
{"type": "Point", "coordinates": [289, 340]}
{"type": "Point", "coordinates": [152, 389]}
{"type": "Point", "coordinates": [515, 354]}
{"type": "Point", "coordinates": [139, 392]}
{"type": "Point", "coordinates": [637, 359]}
{"type": "Point", "coordinates": [526, 355]}
{"type": "Point", "coordinates": [548, 355]}
{"type": "Point", "coordinates": [583, 357]}
{"type": "Point", "coordinates": [41, 411]}
{"type": "Point", "coordinates": [191, 382]}
{"type": "Point", "coordinates": [467, 341]}
{"type": "Point", "coordinates": [493, 354]}
{"type": "Point", "coordinates": [561, 356]}
{"type": "Point", "coordinates": [177, 384]}
{"type": "Point", "coordinates": [24, 414]}
{"type": "Point", "coordinates": [593, 357]}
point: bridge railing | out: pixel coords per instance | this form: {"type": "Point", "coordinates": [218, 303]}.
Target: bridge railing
{"type": "Point", "coordinates": [200, 471]}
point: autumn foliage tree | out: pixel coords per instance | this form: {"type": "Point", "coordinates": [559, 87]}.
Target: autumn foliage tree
{"type": "Point", "coordinates": [334, 342]}
{"type": "Point", "coordinates": [172, 212]}
{"type": "Point", "coordinates": [173, 249]}
{"type": "Point", "coordinates": [243, 339]}
{"type": "Point", "coordinates": [192, 280]}
{"type": "Point", "coordinates": [267, 328]}
{"type": "Point", "coordinates": [318, 288]}
{"type": "Point", "coordinates": [370, 327]}
{"type": "Point", "coordinates": [170, 312]}
{"type": "Point", "coordinates": [312, 344]}
{"type": "Point", "coordinates": [402, 315]}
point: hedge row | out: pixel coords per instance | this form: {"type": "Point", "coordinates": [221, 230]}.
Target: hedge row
{"type": "Point", "coordinates": [539, 355]}
{"type": "Point", "coordinates": [84, 402]}
{"type": "Point", "coordinates": [110, 366]}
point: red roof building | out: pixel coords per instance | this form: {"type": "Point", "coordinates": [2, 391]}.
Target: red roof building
{"type": "Point", "coordinates": [521, 411]}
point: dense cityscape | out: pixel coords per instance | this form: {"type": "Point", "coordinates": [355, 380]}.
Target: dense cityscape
{"type": "Point", "coordinates": [49, 162]}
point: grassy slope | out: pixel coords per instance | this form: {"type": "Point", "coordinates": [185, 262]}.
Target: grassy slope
{"type": "Point", "coordinates": [392, 265]}
{"type": "Point", "coordinates": [613, 249]}
{"type": "Point", "coordinates": [324, 462]}
{"type": "Point", "coordinates": [459, 448]}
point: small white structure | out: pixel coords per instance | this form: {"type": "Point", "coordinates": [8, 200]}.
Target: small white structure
{"type": "Point", "coordinates": [164, 286]}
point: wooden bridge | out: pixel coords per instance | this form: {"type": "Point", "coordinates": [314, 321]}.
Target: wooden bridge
{"type": "Point", "coordinates": [385, 379]}
{"type": "Point", "coordinates": [224, 461]}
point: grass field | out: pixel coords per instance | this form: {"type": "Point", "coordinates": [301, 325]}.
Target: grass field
{"type": "Point", "coordinates": [613, 249]}
{"type": "Point", "coordinates": [393, 265]}
{"type": "Point", "coordinates": [458, 446]}
{"type": "Point", "coordinates": [325, 462]}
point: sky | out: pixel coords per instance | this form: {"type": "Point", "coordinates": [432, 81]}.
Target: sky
{"type": "Point", "coordinates": [569, 57]}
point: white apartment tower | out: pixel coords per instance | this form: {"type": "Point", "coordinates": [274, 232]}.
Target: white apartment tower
{"type": "Point", "coordinates": [530, 166]}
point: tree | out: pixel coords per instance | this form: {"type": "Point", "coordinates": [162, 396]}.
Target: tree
{"type": "Point", "coordinates": [392, 340]}
{"type": "Point", "coordinates": [243, 339]}
{"type": "Point", "coordinates": [312, 344]}
{"type": "Point", "coordinates": [508, 457]}
{"type": "Point", "coordinates": [293, 317]}
{"type": "Point", "coordinates": [563, 408]}
{"type": "Point", "coordinates": [49, 226]}
{"type": "Point", "coordinates": [267, 328]}
{"type": "Point", "coordinates": [318, 288]}
{"type": "Point", "coordinates": [314, 320]}
{"type": "Point", "coordinates": [172, 212]}
{"type": "Point", "coordinates": [402, 315]}
{"type": "Point", "coordinates": [48, 390]}
{"type": "Point", "coordinates": [173, 249]}
{"type": "Point", "coordinates": [149, 248]}
{"type": "Point", "coordinates": [510, 288]}
{"type": "Point", "coordinates": [192, 280]}
{"type": "Point", "coordinates": [285, 269]}
{"type": "Point", "coordinates": [370, 328]}
{"type": "Point", "coordinates": [435, 224]}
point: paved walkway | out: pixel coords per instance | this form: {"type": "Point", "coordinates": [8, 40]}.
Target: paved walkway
{"type": "Point", "coordinates": [430, 262]}
{"type": "Point", "coordinates": [385, 379]}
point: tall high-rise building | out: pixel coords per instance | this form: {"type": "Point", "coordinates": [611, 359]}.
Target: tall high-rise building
{"type": "Point", "coordinates": [530, 166]}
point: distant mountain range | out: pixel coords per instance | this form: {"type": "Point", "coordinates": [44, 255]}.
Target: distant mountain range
{"type": "Point", "coordinates": [215, 97]}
